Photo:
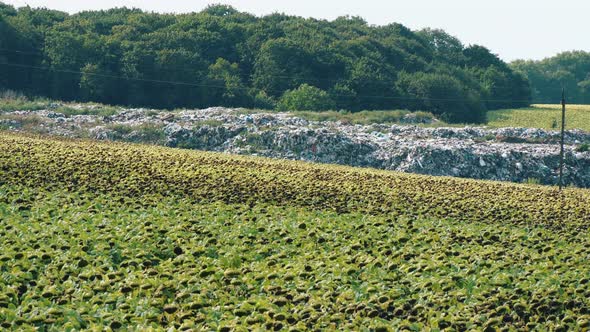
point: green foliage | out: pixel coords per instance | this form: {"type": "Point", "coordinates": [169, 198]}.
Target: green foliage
{"type": "Point", "coordinates": [47, 163]}
{"type": "Point", "coordinates": [569, 70]}
{"type": "Point", "coordinates": [88, 109]}
{"type": "Point", "coordinates": [533, 181]}
{"type": "Point", "coordinates": [220, 10]}
{"type": "Point", "coordinates": [115, 236]}
{"type": "Point", "coordinates": [227, 75]}
{"type": "Point", "coordinates": [541, 116]}
{"type": "Point", "coordinates": [96, 83]}
{"type": "Point", "coordinates": [144, 133]}
{"type": "Point", "coordinates": [7, 10]}
{"type": "Point", "coordinates": [120, 129]}
{"type": "Point", "coordinates": [152, 134]}
{"type": "Point", "coordinates": [584, 147]}
{"type": "Point", "coordinates": [13, 101]}
{"type": "Point", "coordinates": [364, 117]}
{"type": "Point", "coordinates": [444, 95]}
{"type": "Point", "coordinates": [445, 46]}
{"type": "Point", "coordinates": [478, 56]}
{"type": "Point", "coordinates": [223, 57]}
{"type": "Point", "coordinates": [264, 101]}
{"type": "Point", "coordinates": [306, 98]}
{"type": "Point", "coordinates": [262, 267]}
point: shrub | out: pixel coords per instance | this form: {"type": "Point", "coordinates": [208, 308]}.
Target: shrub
{"type": "Point", "coordinates": [585, 147]}
{"type": "Point", "coordinates": [306, 98]}
{"type": "Point", "coordinates": [443, 95]}
{"type": "Point", "coordinates": [264, 101]}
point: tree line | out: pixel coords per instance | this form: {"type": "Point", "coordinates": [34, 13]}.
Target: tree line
{"type": "Point", "coordinates": [568, 70]}
{"type": "Point", "coordinates": [223, 57]}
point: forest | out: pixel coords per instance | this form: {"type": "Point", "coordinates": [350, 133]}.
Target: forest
{"type": "Point", "coordinates": [568, 70]}
{"type": "Point", "coordinates": [223, 57]}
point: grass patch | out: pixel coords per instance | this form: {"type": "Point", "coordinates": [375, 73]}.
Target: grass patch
{"type": "Point", "coordinates": [542, 116]}
{"type": "Point", "coordinates": [584, 147]}
{"type": "Point", "coordinates": [88, 109]}
{"type": "Point", "coordinates": [246, 111]}
{"type": "Point", "coordinates": [148, 133]}
{"type": "Point", "coordinates": [120, 129]}
{"type": "Point", "coordinates": [28, 123]}
{"type": "Point", "coordinates": [151, 134]}
{"type": "Point", "coordinates": [11, 101]}
{"type": "Point", "coordinates": [364, 117]}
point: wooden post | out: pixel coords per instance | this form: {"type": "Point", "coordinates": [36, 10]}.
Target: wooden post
{"type": "Point", "coordinates": [562, 154]}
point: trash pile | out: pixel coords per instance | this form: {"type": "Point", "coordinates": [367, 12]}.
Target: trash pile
{"type": "Point", "coordinates": [506, 154]}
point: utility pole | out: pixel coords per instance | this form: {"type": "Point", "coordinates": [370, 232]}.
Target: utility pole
{"type": "Point", "coordinates": [561, 156]}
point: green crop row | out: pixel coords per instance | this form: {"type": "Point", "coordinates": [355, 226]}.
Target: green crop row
{"type": "Point", "coordinates": [135, 170]}
{"type": "Point", "coordinates": [98, 236]}
{"type": "Point", "coordinates": [76, 260]}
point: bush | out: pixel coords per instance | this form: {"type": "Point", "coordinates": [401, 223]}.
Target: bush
{"type": "Point", "coordinates": [306, 98]}
{"type": "Point", "coordinates": [264, 101]}
{"type": "Point", "coordinates": [443, 95]}
{"type": "Point", "coordinates": [585, 147]}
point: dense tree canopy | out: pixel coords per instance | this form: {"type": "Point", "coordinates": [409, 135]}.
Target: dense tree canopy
{"type": "Point", "coordinates": [306, 98]}
{"type": "Point", "coordinates": [569, 70]}
{"type": "Point", "coordinates": [221, 56]}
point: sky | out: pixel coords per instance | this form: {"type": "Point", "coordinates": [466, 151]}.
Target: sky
{"type": "Point", "coordinates": [513, 29]}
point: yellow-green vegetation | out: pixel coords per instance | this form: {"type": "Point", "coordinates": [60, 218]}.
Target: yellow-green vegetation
{"type": "Point", "coordinates": [365, 117]}
{"type": "Point", "coordinates": [131, 170]}
{"type": "Point", "coordinates": [12, 101]}
{"type": "Point", "coordinates": [542, 116]}
{"type": "Point", "coordinates": [98, 235]}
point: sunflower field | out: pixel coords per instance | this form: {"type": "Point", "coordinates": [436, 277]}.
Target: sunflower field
{"type": "Point", "coordinates": [97, 236]}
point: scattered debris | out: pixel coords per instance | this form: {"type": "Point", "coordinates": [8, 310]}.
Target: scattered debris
{"type": "Point", "coordinates": [507, 154]}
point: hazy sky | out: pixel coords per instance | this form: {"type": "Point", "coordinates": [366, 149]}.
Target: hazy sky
{"type": "Point", "coordinates": [531, 29]}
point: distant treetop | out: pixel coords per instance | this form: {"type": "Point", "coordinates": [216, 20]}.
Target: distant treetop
{"type": "Point", "coordinates": [221, 56]}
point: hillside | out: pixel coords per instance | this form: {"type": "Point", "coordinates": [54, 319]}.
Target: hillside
{"type": "Point", "coordinates": [131, 236]}
{"type": "Point", "coordinates": [222, 171]}
{"type": "Point", "coordinates": [223, 57]}
{"type": "Point", "coordinates": [131, 170]}
{"type": "Point", "coordinates": [392, 140]}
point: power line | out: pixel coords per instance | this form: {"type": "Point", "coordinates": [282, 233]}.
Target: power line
{"type": "Point", "coordinates": [179, 69]}
{"type": "Point", "coordinates": [168, 68]}
{"type": "Point", "coordinates": [67, 71]}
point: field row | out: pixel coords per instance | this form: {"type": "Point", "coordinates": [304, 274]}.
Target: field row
{"type": "Point", "coordinates": [74, 260]}
{"type": "Point", "coordinates": [124, 170]}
